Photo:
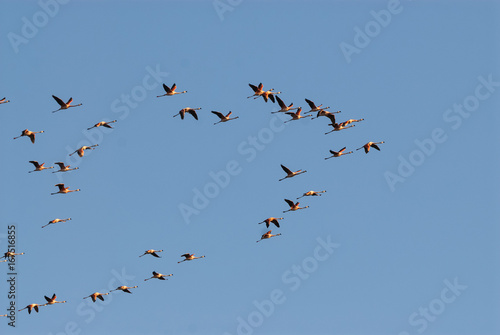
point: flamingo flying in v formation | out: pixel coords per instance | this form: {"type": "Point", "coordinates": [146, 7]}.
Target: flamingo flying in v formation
{"type": "Point", "coordinates": [64, 105]}
{"type": "Point", "coordinates": [30, 134]}
{"type": "Point", "coordinates": [267, 235]}
{"type": "Point", "coordinates": [170, 91]}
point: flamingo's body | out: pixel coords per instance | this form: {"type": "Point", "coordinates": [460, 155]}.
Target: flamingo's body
{"type": "Point", "coordinates": [96, 295]}
{"type": "Point", "coordinates": [30, 307]}
{"type": "Point", "coordinates": [224, 118]}
{"type": "Point", "coordinates": [64, 168]}
{"type": "Point", "coordinates": [296, 115]}
{"type": "Point", "coordinates": [64, 190]}
{"type": "Point", "coordinates": [257, 90]}
{"type": "Point", "coordinates": [52, 300]}
{"type": "Point", "coordinates": [267, 235]}
{"type": "Point", "coordinates": [338, 153]}
{"type": "Point", "coordinates": [64, 105]}
{"type": "Point", "coordinates": [338, 127]}
{"type": "Point", "coordinates": [30, 134]}
{"type": "Point", "coordinates": [189, 257]}
{"type": "Point", "coordinates": [103, 124]}
{"type": "Point", "coordinates": [323, 112]}
{"type": "Point", "coordinates": [39, 167]}
{"type": "Point", "coordinates": [284, 107]}
{"type": "Point", "coordinates": [270, 220]}
{"type": "Point", "coordinates": [369, 145]}
{"type": "Point", "coordinates": [170, 91]}
{"type": "Point", "coordinates": [81, 151]}
{"type": "Point", "coordinates": [159, 276]}
{"type": "Point", "coordinates": [293, 206]}
{"type": "Point", "coordinates": [151, 252]}
{"type": "Point", "coordinates": [290, 173]}
{"type": "Point", "coordinates": [124, 288]}
{"type": "Point", "coordinates": [4, 101]}
{"type": "Point", "coordinates": [56, 221]}
{"type": "Point", "coordinates": [269, 95]}
{"type": "Point", "coordinates": [311, 194]}
{"type": "Point", "coordinates": [313, 106]}
{"type": "Point", "coordinates": [191, 111]}
{"type": "Point", "coordinates": [9, 254]}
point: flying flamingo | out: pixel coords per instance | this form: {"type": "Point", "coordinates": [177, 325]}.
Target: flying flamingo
{"type": "Point", "coordinates": [311, 193]}
{"type": "Point", "coordinates": [293, 206]}
{"type": "Point", "coordinates": [189, 257]}
{"type": "Point", "coordinates": [151, 252]}
{"type": "Point", "coordinates": [64, 168]}
{"type": "Point", "coordinates": [267, 235]}
{"type": "Point", "coordinates": [289, 173]}
{"type": "Point", "coordinates": [159, 276]}
{"type": "Point", "coordinates": [314, 108]}
{"type": "Point", "coordinates": [345, 123]}
{"type": "Point", "coordinates": [95, 295]}
{"type": "Point", "coordinates": [63, 189]}
{"type": "Point", "coordinates": [257, 90]}
{"type": "Point", "coordinates": [224, 118]}
{"type": "Point", "coordinates": [56, 221]}
{"type": "Point", "coordinates": [270, 220]}
{"type": "Point", "coordinates": [30, 134]}
{"type": "Point", "coordinates": [81, 151]}
{"type": "Point", "coordinates": [269, 95]}
{"type": "Point", "coordinates": [4, 101]}
{"type": "Point", "coordinates": [296, 115]}
{"type": "Point", "coordinates": [30, 307]}
{"type": "Point", "coordinates": [9, 254]}
{"type": "Point", "coordinates": [39, 167]}
{"type": "Point", "coordinates": [170, 90]}
{"type": "Point", "coordinates": [369, 145]}
{"type": "Point", "coordinates": [325, 113]}
{"type": "Point", "coordinates": [103, 124]}
{"type": "Point", "coordinates": [123, 288]}
{"type": "Point", "coordinates": [52, 301]}
{"type": "Point", "coordinates": [338, 153]}
{"type": "Point", "coordinates": [64, 105]}
{"type": "Point", "coordinates": [191, 111]}
{"type": "Point", "coordinates": [338, 127]}
{"type": "Point", "coordinates": [284, 107]}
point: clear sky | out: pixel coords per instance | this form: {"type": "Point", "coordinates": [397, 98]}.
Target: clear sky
{"type": "Point", "coordinates": [404, 241]}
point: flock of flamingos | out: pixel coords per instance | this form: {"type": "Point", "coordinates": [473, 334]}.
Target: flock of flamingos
{"type": "Point", "coordinates": [171, 91]}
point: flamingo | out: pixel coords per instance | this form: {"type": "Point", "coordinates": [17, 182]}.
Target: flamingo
{"type": "Point", "coordinates": [103, 124]}
{"type": "Point", "coordinates": [9, 254]}
{"type": "Point", "coordinates": [39, 167]}
{"type": "Point", "coordinates": [64, 105]}
{"type": "Point", "coordinates": [296, 115]}
{"type": "Point", "coordinates": [313, 106]}
{"type": "Point", "coordinates": [52, 301]}
{"type": "Point", "coordinates": [64, 168]}
{"type": "Point", "coordinates": [224, 118]}
{"type": "Point", "coordinates": [293, 207]}
{"type": "Point", "coordinates": [269, 95]}
{"type": "Point", "coordinates": [311, 193]}
{"type": "Point", "coordinates": [56, 221]}
{"type": "Point", "coordinates": [345, 123]}
{"type": "Point", "coordinates": [189, 257]}
{"type": "Point", "coordinates": [369, 145]}
{"type": "Point", "coordinates": [284, 107]}
{"type": "Point", "coordinates": [325, 113]}
{"type": "Point", "coordinates": [270, 220]}
{"type": "Point", "coordinates": [170, 90]}
{"type": "Point", "coordinates": [191, 111]}
{"type": "Point", "coordinates": [95, 295]}
{"type": "Point", "coordinates": [30, 134]}
{"type": "Point", "coordinates": [338, 127]}
{"type": "Point", "coordinates": [81, 151]}
{"type": "Point", "coordinates": [257, 90]}
{"type": "Point", "coordinates": [289, 173]}
{"type": "Point", "coordinates": [63, 189]}
{"type": "Point", "coordinates": [124, 289]}
{"type": "Point", "coordinates": [267, 235]}
{"type": "Point", "coordinates": [159, 276]}
{"type": "Point", "coordinates": [151, 252]}
{"type": "Point", "coordinates": [32, 306]}
{"type": "Point", "coordinates": [338, 153]}
{"type": "Point", "coordinates": [4, 101]}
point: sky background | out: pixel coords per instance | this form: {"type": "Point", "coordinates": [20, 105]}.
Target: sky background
{"type": "Point", "coordinates": [397, 246]}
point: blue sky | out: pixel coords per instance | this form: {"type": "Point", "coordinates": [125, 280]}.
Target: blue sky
{"type": "Point", "coordinates": [404, 241]}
